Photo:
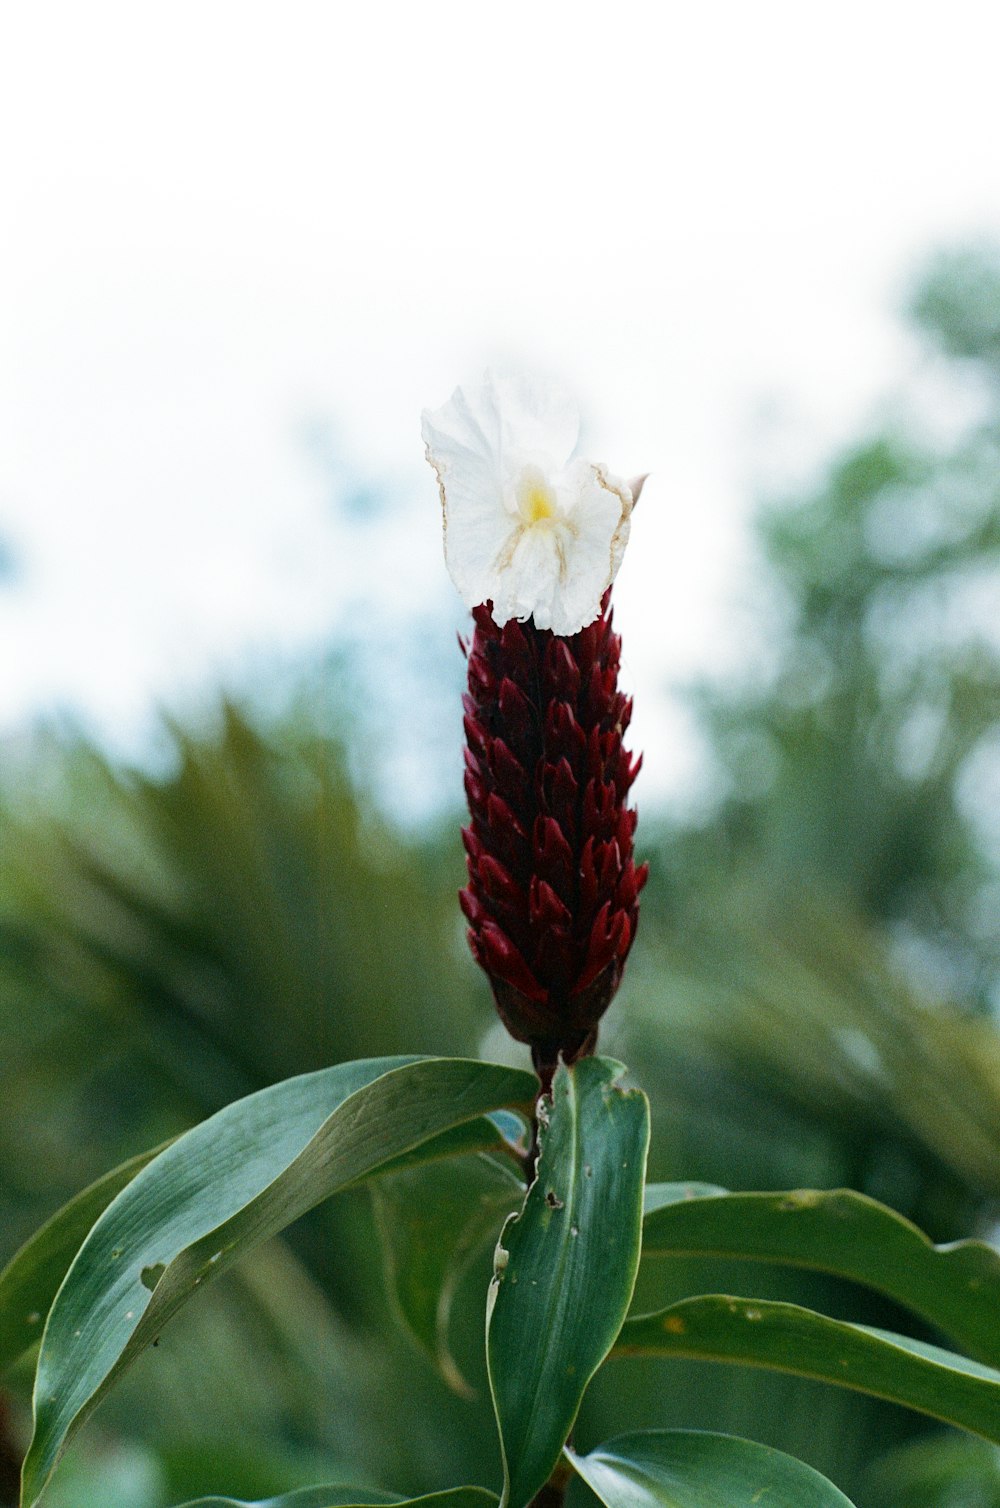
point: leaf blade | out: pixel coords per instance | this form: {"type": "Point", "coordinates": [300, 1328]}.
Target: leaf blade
{"type": "Point", "coordinates": [955, 1287]}
{"type": "Point", "coordinates": [223, 1187]}
{"type": "Point", "coordinates": [305, 1497]}
{"type": "Point", "coordinates": [695, 1469]}
{"type": "Point", "coordinates": [356, 1497]}
{"type": "Point", "coordinates": [563, 1284]}
{"type": "Point", "coordinates": [32, 1277]}
{"type": "Point", "coordinates": [787, 1338]}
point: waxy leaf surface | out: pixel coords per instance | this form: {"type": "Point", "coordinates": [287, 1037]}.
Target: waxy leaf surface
{"type": "Point", "coordinates": [787, 1338]}
{"type": "Point", "coordinates": [230, 1183]}
{"type": "Point", "coordinates": [565, 1268]}
{"type": "Point", "coordinates": [955, 1287]}
{"type": "Point", "coordinates": [356, 1497]}
{"type": "Point", "coordinates": [31, 1279]}
{"type": "Point", "coordinates": [689, 1469]}
{"type": "Point", "coordinates": [311, 1497]}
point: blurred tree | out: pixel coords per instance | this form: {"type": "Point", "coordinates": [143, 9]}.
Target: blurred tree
{"type": "Point", "coordinates": [957, 302]}
{"type": "Point", "coordinates": [847, 881]}
{"type": "Point", "coordinates": [244, 918]}
{"type": "Point", "coordinates": [867, 761]}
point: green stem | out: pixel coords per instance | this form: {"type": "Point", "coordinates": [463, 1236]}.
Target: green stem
{"type": "Point", "coordinates": [545, 1063]}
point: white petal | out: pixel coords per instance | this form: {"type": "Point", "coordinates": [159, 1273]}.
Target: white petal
{"type": "Point", "coordinates": [525, 587]}
{"type": "Point", "coordinates": [501, 418]}
{"type": "Point", "coordinates": [540, 538]}
{"type": "Point", "coordinates": [536, 418]}
{"type": "Point", "coordinates": [477, 443]}
{"type": "Point", "coordinates": [598, 509]}
{"type": "Point", "coordinates": [462, 443]}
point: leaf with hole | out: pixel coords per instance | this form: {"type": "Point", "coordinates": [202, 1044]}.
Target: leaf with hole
{"type": "Point", "coordinates": [31, 1279]}
{"type": "Point", "coordinates": [230, 1183]}
{"type": "Point", "coordinates": [565, 1267]}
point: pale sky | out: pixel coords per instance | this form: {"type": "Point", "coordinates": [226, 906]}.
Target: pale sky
{"type": "Point", "coordinates": [220, 221]}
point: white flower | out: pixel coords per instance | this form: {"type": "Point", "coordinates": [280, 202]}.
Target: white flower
{"type": "Point", "coordinates": [538, 534]}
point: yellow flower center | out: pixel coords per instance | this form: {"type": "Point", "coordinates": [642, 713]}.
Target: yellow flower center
{"type": "Point", "coordinates": [536, 499]}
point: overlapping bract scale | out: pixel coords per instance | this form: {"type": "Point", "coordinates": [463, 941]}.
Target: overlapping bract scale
{"type": "Point", "coordinates": [553, 895]}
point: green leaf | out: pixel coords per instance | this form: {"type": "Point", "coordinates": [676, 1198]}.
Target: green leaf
{"type": "Point", "coordinates": [658, 1195]}
{"type": "Point", "coordinates": [433, 1221]}
{"type": "Point", "coordinates": [312, 1497]}
{"type": "Point", "coordinates": [357, 1497]}
{"type": "Point", "coordinates": [499, 1132]}
{"type": "Point", "coordinates": [955, 1287]}
{"type": "Point", "coordinates": [565, 1267]}
{"type": "Point", "coordinates": [688, 1469]}
{"type": "Point", "coordinates": [222, 1188]}
{"type": "Point", "coordinates": [29, 1282]}
{"type": "Point", "coordinates": [786, 1338]}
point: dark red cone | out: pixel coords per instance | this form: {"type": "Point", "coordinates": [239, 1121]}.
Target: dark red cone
{"type": "Point", "coordinates": [553, 895]}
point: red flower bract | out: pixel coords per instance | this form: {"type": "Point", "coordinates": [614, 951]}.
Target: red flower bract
{"type": "Point", "coordinates": [552, 898]}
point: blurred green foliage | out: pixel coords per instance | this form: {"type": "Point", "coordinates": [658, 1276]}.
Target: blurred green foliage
{"type": "Point", "coordinates": [812, 1000]}
{"type": "Point", "coordinates": [830, 933]}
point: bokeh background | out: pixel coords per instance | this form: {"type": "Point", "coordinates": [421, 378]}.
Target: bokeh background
{"type": "Point", "coordinates": [241, 249]}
